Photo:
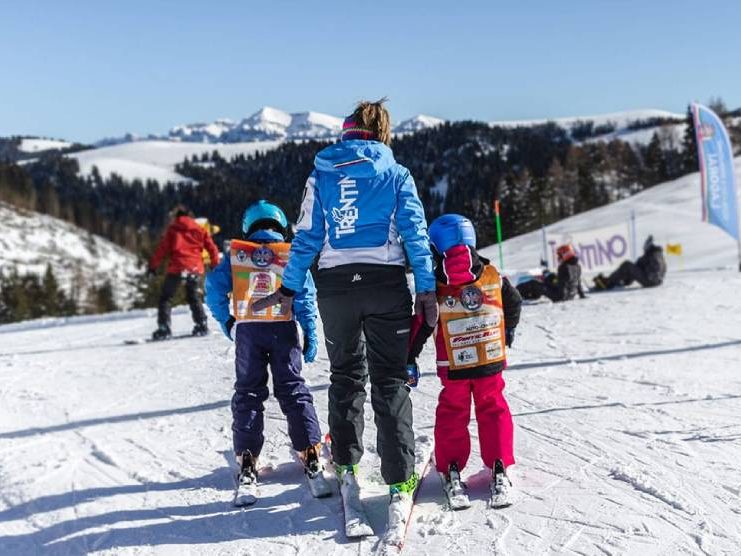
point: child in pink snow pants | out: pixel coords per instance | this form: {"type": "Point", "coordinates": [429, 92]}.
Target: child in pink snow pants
{"type": "Point", "coordinates": [479, 311]}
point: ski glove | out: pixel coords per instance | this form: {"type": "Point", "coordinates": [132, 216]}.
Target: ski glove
{"type": "Point", "coordinates": [509, 336]}
{"type": "Point", "coordinates": [283, 296]}
{"type": "Point", "coordinates": [425, 304]}
{"type": "Point", "coordinates": [311, 345]}
{"type": "Point", "coordinates": [227, 327]}
{"type": "Point", "coordinates": [412, 375]}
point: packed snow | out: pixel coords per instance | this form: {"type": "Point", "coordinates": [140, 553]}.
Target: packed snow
{"type": "Point", "coordinates": [29, 241]}
{"type": "Point", "coordinates": [626, 410]}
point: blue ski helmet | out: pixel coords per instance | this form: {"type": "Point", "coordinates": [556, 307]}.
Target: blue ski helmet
{"type": "Point", "coordinates": [262, 211]}
{"type": "Point", "coordinates": [449, 230]}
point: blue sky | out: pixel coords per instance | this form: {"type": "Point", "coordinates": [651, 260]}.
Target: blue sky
{"type": "Point", "coordinates": [84, 70]}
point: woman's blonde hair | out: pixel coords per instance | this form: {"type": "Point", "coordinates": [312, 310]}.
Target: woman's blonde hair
{"type": "Point", "coordinates": [374, 117]}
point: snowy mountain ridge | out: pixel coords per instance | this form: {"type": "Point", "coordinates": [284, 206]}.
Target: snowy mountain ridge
{"type": "Point", "coordinates": [268, 124]}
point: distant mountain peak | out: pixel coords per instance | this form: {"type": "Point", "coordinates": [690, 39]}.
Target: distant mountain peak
{"type": "Point", "coordinates": [268, 124]}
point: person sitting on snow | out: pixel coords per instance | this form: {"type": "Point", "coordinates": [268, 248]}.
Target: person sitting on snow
{"type": "Point", "coordinates": [649, 270]}
{"type": "Point", "coordinates": [563, 286]}
{"type": "Point", "coordinates": [254, 269]}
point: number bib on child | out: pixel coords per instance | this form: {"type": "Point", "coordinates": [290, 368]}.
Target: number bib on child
{"type": "Point", "coordinates": [257, 269]}
{"type": "Point", "coordinates": [472, 321]}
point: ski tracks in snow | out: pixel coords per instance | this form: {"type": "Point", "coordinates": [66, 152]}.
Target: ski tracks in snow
{"type": "Point", "coordinates": [625, 408]}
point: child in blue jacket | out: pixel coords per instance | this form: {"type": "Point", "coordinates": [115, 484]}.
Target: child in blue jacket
{"type": "Point", "coordinates": [254, 269]}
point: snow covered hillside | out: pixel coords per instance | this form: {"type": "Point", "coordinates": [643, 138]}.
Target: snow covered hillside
{"type": "Point", "coordinates": [627, 439]}
{"type": "Point", "coordinates": [156, 160]}
{"type": "Point", "coordinates": [35, 145]}
{"type": "Point", "coordinates": [620, 125]}
{"type": "Point", "coordinates": [29, 241]}
{"type": "Point", "coordinates": [670, 211]}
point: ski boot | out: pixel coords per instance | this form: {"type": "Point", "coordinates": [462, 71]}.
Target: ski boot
{"type": "Point", "coordinates": [357, 524]}
{"type": "Point", "coordinates": [200, 329]}
{"type": "Point", "coordinates": [162, 333]}
{"type": "Point", "coordinates": [600, 282]}
{"type": "Point", "coordinates": [501, 487]}
{"type": "Point", "coordinates": [400, 510]}
{"type": "Point", "coordinates": [314, 471]}
{"type": "Point", "coordinates": [246, 493]}
{"type": "Point", "coordinates": [454, 488]}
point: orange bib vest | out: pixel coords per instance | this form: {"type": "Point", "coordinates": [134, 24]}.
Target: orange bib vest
{"type": "Point", "coordinates": [257, 269]}
{"type": "Point", "coordinates": [472, 321]}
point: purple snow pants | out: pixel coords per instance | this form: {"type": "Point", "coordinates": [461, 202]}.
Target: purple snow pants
{"type": "Point", "coordinates": [276, 344]}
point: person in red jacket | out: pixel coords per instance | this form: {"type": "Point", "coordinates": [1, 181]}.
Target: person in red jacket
{"type": "Point", "coordinates": [183, 243]}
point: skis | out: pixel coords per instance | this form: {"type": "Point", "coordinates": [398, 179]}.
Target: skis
{"type": "Point", "coordinates": [153, 341]}
{"type": "Point", "coordinates": [246, 494]}
{"type": "Point", "coordinates": [357, 524]}
{"type": "Point", "coordinates": [455, 490]}
{"type": "Point", "coordinates": [401, 506]}
{"type": "Point", "coordinates": [500, 488]}
{"type": "Point", "coordinates": [314, 473]}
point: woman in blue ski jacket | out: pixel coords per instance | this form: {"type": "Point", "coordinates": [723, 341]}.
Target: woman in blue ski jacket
{"type": "Point", "coordinates": [361, 215]}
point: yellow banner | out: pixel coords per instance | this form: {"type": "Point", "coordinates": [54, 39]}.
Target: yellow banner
{"type": "Point", "coordinates": [674, 249]}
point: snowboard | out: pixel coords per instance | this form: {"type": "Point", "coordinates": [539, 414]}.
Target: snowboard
{"type": "Point", "coordinates": [153, 341]}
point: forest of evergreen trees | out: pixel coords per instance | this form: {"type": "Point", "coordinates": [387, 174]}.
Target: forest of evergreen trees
{"type": "Point", "coordinates": [540, 174]}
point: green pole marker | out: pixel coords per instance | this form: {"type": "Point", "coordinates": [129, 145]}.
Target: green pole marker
{"type": "Point", "coordinates": [499, 234]}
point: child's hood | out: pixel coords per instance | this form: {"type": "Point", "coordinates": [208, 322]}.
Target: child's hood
{"type": "Point", "coordinates": [460, 265]}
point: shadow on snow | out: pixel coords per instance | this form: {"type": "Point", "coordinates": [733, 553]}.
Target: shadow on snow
{"type": "Point", "coordinates": [293, 509]}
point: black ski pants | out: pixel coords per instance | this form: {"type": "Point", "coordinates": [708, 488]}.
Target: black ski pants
{"type": "Point", "coordinates": [193, 294]}
{"type": "Point", "coordinates": [367, 335]}
{"type": "Point", "coordinates": [626, 274]}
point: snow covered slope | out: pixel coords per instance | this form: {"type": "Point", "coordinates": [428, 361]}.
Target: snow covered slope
{"type": "Point", "coordinates": [621, 121]}
{"type": "Point", "coordinates": [157, 159]}
{"type": "Point", "coordinates": [35, 145]}
{"type": "Point", "coordinates": [29, 241]}
{"type": "Point", "coordinates": [627, 428]}
{"type": "Point", "coordinates": [628, 438]}
{"type": "Point", "coordinates": [670, 211]}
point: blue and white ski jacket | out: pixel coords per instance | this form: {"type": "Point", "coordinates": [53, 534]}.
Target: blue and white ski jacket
{"type": "Point", "coordinates": [360, 206]}
{"type": "Point", "coordinates": [219, 284]}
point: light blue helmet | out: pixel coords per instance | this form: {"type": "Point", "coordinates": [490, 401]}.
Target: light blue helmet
{"type": "Point", "coordinates": [449, 230]}
{"type": "Point", "coordinates": [263, 212]}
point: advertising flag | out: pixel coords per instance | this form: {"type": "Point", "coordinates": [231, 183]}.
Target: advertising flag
{"type": "Point", "coordinates": [719, 201]}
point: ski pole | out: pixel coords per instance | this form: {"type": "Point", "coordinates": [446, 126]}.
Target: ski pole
{"type": "Point", "coordinates": [499, 233]}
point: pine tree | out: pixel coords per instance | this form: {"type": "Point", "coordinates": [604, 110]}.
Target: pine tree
{"type": "Point", "coordinates": [656, 169]}
{"type": "Point", "coordinates": [690, 162]}
{"type": "Point", "coordinates": [102, 298]}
